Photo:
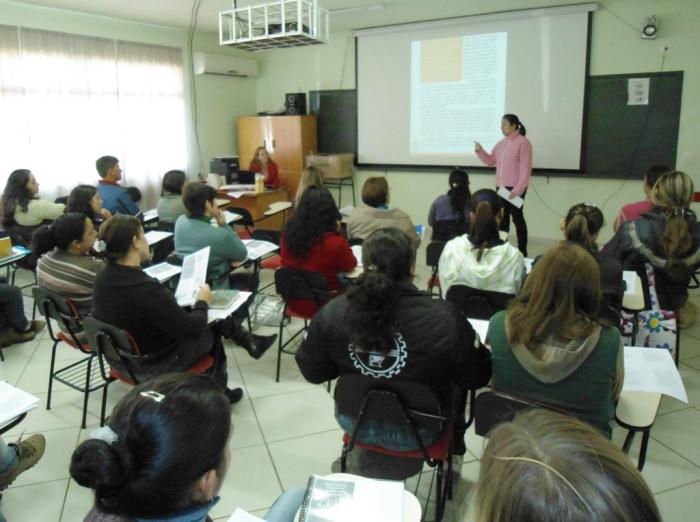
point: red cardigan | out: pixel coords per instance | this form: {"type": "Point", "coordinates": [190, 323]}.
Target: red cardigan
{"type": "Point", "coordinates": [273, 176]}
{"type": "Point", "coordinates": [330, 255]}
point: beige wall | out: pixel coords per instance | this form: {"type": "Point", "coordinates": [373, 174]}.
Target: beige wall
{"type": "Point", "coordinates": [220, 99]}
{"type": "Point", "coordinates": [615, 48]}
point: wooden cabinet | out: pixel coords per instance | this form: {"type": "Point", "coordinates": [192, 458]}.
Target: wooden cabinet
{"type": "Point", "coordinates": [288, 139]}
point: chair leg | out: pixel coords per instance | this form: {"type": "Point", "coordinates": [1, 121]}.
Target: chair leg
{"type": "Point", "coordinates": [51, 374]}
{"type": "Point", "coordinates": [279, 351]}
{"type": "Point", "coordinates": [2, 356]}
{"type": "Point", "coordinates": [344, 458]}
{"type": "Point", "coordinates": [104, 404]}
{"type": "Point", "coordinates": [86, 391]}
{"type": "Point", "coordinates": [628, 442]}
{"type": "Point", "coordinates": [643, 450]}
{"type": "Point", "coordinates": [438, 493]}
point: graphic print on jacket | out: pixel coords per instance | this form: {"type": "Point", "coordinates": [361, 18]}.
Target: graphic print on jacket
{"type": "Point", "coordinates": [377, 364]}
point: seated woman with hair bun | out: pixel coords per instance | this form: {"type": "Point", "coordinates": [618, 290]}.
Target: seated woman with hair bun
{"type": "Point", "coordinates": [154, 460]}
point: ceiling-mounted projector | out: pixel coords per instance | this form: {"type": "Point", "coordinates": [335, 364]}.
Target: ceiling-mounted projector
{"type": "Point", "coordinates": [284, 23]}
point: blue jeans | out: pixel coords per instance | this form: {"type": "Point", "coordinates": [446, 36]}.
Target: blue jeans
{"type": "Point", "coordinates": [285, 507]}
{"type": "Point", "coordinates": [11, 307]}
{"type": "Point", "coordinates": [8, 459]}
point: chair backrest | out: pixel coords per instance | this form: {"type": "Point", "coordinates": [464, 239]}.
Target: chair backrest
{"type": "Point", "coordinates": [408, 406]}
{"type": "Point", "coordinates": [446, 229]}
{"type": "Point", "coordinates": [54, 306]}
{"type": "Point", "coordinates": [475, 303]}
{"type": "Point", "coordinates": [292, 283]}
{"type": "Point", "coordinates": [115, 345]}
{"type": "Point", "coordinates": [273, 236]}
{"type": "Point", "coordinates": [492, 408]}
{"type": "Point", "coordinates": [433, 252]}
{"type": "Point", "coordinates": [166, 225]}
{"type": "Point", "coordinates": [355, 241]}
{"type": "Point", "coordinates": [246, 217]}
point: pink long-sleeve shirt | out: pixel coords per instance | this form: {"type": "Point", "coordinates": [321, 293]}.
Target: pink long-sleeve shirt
{"type": "Point", "coordinates": [512, 157]}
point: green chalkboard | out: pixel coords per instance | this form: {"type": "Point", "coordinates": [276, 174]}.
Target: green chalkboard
{"type": "Point", "coordinates": [337, 120]}
{"type": "Point", "coordinates": [621, 140]}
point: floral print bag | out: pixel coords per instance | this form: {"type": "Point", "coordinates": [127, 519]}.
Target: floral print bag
{"type": "Point", "coordinates": [655, 328]}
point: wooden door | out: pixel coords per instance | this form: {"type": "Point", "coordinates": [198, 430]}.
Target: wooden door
{"type": "Point", "coordinates": [253, 132]}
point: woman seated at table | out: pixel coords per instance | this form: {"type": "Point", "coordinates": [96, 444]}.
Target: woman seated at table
{"type": "Point", "coordinates": [668, 238]}
{"type": "Point", "coordinates": [263, 164]}
{"type": "Point", "coordinates": [581, 226]}
{"type": "Point", "coordinates": [170, 205]}
{"type": "Point", "coordinates": [450, 213]}
{"type": "Point", "coordinates": [312, 241]}
{"type": "Point", "coordinates": [386, 328]}
{"type": "Point", "coordinates": [86, 200]}
{"type": "Point", "coordinates": [65, 265]}
{"type": "Point", "coordinates": [163, 455]}
{"type": "Point", "coordinates": [377, 214]}
{"type": "Point", "coordinates": [22, 209]}
{"type": "Point", "coordinates": [550, 467]}
{"type": "Point", "coordinates": [127, 298]}
{"type": "Point", "coordinates": [481, 259]}
{"type": "Point", "coordinates": [310, 177]}
{"type": "Point", "coordinates": [549, 346]}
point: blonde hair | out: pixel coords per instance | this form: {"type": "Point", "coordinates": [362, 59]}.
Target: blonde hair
{"type": "Point", "coordinates": [256, 161]}
{"type": "Point", "coordinates": [310, 177]}
{"type": "Point", "coordinates": [549, 467]}
{"type": "Point", "coordinates": [671, 195]}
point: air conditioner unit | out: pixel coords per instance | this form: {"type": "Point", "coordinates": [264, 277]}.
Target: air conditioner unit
{"type": "Point", "coordinates": [207, 63]}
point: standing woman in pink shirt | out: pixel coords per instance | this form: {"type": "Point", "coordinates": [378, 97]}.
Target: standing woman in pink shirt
{"type": "Point", "coordinates": [512, 157]}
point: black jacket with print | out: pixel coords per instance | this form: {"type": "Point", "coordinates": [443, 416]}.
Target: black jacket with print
{"type": "Point", "coordinates": [434, 345]}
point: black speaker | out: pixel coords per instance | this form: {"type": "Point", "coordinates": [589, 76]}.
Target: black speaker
{"type": "Point", "coordinates": [295, 103]}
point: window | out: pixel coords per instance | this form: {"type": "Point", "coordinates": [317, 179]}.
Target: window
{"type": "Point", "coordinates": [66, 100]}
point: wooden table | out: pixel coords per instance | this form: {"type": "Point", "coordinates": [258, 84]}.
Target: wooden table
{"type": "Point", "coordinates": [258, 203]}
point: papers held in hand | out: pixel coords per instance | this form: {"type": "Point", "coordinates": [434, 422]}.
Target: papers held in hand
{"type": "Point", "coordinates": [347, 500]}
{"type": "Point", "coordinates": [505, 194]}
{"type": "Point", "coordinates": [193, 276]}
{"type": "Point", "coordinates": [229, 216]}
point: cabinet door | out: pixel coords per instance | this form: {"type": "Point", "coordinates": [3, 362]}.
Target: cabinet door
{"type": "Point", "coordinates": [286, 142]}
{"type": "Point", "coordinates": [253, 132]}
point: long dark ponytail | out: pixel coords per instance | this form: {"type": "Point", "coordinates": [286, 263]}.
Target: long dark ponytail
{"type": "Point", "coordinates": [483, 230]}
{"type": "Point", "coordinates": [459, 193]}
{"type": "Point", "coordinates": [514, 120]}
{"type": "Point", "coordinates": [387, 257]}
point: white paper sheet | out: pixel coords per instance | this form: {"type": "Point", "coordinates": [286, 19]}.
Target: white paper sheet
{"type": "Point", "coordinates": [14, 402]}
{"type": "Point", "coordinates": [505, 194]}
{"type": "Point", "coordinates": [230, 217]}
{"type": "Point", "coordinates": [150, 215]}
{"type": "Point", "coordinates": [193, 277]}
{"type": "Point", "coordinates": [357, 252]}
{"type": "Point", "coordinates": [238, 187]}
{"type": "Point", "coordinates": [528, 264]}
{"type": "Point", "coordinates": [481, 327]}
{"type": "Point", "coordinates": [163, 271]}
{"type": "Point", "coordinates": [630, 279]}
{"type": "Point", "coordinates": [652, 370]}
{"type": "Point", "coordinates": [243, 516]}
{"type": "Point", "coordinates": [258, 248]}
{"type": "Point", "coordinates": [221, 202]}
{"type": "Point", "coordinates": [223, 313]}
{"type": "Point", "coordinates": [153, 236]}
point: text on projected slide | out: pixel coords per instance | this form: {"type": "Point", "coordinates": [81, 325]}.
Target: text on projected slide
{"type": "Point", "coordinates": [458, 90]}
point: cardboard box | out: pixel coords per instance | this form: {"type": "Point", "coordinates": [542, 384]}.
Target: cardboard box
{"type": "Point", "coordinates": [334, 166]}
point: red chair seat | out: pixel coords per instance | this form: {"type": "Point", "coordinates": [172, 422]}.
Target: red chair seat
{"type": "Point", "coordinates": [271, 263]}
{"type": "Point", "coordinates": [69, 341]}
{"type": "Point", "coordinates": [434, 282]}
{"type": "Point", "coordinates": [244, 234]}
{"type": "Point", "coordinates": [202, 366]}
{"type": "Point", "coordinates": [438, 450]}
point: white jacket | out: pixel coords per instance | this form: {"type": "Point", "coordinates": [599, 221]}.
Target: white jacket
{"type": "Point", "coordinates": [501, 269]}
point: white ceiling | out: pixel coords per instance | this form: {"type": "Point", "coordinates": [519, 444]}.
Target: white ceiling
{"type": "Point", "coordinates": [176, 13]}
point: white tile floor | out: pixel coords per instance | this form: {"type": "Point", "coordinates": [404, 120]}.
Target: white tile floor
{"type": "Point", "coordinates": [286, 431]}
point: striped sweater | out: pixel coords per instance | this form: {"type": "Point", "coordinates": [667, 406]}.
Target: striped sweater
{"type": "Point", "coordinates": [69, 275]}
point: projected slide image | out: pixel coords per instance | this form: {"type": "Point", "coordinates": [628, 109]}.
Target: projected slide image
{"type": "Point", "coordinates": [457, 93]}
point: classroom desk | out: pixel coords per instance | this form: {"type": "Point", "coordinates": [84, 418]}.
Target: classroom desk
{"type": "Point", "coordinates": [258, 203]}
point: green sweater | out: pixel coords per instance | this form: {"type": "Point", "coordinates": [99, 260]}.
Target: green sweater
{"type": "Point", "coordinates": [194, 234]}
{"type": "Point", "coordinates": [588, 392]}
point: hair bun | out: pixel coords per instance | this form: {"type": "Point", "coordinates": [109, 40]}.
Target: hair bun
{"type": "Point", "coordinates": [103, 467]}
